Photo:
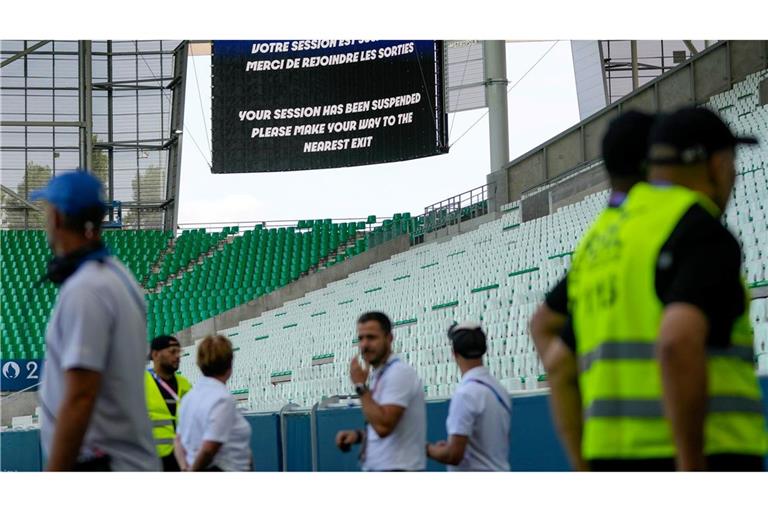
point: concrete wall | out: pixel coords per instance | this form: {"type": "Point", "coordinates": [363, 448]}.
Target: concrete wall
{"type": "Point", "coordinates": [294, 290]}
{"type": "Point", "coordinates": [448, 232]}
{"type": "Point", "coordinates": [713, 71]}
{"type": "Point", "coordinates": [574, 190]}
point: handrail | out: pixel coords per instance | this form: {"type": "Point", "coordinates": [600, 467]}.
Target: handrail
{"type": "Point", "coordinates": [482, 192]}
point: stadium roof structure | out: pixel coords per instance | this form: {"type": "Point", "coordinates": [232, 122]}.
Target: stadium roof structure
{"type": "Point", "coordinates": [113, 107]}
{"type": "Point", "coordinates": [608, 70]}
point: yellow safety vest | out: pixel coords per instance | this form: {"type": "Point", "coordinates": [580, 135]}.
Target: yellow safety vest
{"type": "Point", "coordinates": [616, 318]}
{"type": "Point", "coordinates": [163, 422]}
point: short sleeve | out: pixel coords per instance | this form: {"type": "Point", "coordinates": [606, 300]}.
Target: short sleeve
{"type": "Point", "coordinates": [85, 325]}
{"type": "Point", "coordinates": [557, 298]}
{"type": "Point", "coordinates": [700, 264]}
{"type": "Point", "coordinates": [399, 386]}
{"type": "Point", "coordinates": [221, 418]}
{"type": "Point", "coordinates": [568, 336]}
{"type": "Point", "coordinates": [462, 413]}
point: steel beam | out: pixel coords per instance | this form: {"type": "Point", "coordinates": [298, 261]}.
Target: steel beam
{"type": "Point", "coordinates": [74, 124]}
{"type": "Point", "coordinates": [23, 53]}
{"type": "Point", "coordinates": [691, 48]}
{"type": "Point", "coordinates": [86, 104]}
{"type": "Point", "coordinates": [496, 98]}
{"type": "Point", "coordinates": [173, 182]}
{"type": "Point", "coordinates": [635, 69]}
{"type": "Point", "coordinates": [17, 197]}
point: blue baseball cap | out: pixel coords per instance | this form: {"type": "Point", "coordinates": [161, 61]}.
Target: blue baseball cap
{"type": "Point", "coordinates": [72, 192]}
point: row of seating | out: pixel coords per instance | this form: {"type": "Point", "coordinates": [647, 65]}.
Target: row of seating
{"type": "Point", "coordinates": [27, 302]}
{"type": "Point", "coordinates": [248, 266]}
{"type": "Point", "coordinates": [495, 275]}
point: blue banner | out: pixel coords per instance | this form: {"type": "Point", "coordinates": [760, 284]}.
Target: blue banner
{"type": "Point", "coordinates": [18, 374]}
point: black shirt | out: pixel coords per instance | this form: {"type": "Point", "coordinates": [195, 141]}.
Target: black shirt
{"type": "Point", "coordinates": [699, 264]}
{"type": "Point", "coordinates": [557, 298]}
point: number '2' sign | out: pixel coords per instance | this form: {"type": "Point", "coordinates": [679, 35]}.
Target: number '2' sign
{"type": "Point", "coordinates": [20, 374]}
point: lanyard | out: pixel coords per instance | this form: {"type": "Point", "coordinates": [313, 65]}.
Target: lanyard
{"type": "Point", "coordinates": [617, 199]}
{"type": "Point", "coordinates": [164, 385]}
{"type": "Point", "coordinates": [131, 290]}
{"type": "Point", "coordinates": [495, 393]}
{"type": "Point", "coordinates": [380, 374]}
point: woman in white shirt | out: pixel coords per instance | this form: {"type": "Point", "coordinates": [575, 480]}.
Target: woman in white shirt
{"type": "Point", "coordinates": [212, 434]}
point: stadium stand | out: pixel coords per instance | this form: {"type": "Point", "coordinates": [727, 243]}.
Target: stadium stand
{"type": "Point", "coordinates": [246, 265]}
{"type": "Point", "coordinates": [26, 305]}
{"type": "Point", "coordinates": [188, 279]}
{"type": "Point", "coordinates": [189, 246]}
{"type": "Point", "coordinates": [495, 274]}
{"type": "Point", "coordinates": [299, 353]}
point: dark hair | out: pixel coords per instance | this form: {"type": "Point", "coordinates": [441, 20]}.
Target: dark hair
{"type": "Point", "coordinates": [77, 222]}
{"type": "Point", "coordinates": [625, 145]}
{"type": "Point", "coordinates": [377, 316]}
{"type": "Point", "coordinates": [214, 355]}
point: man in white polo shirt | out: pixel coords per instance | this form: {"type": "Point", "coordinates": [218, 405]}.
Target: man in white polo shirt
{"type": "Point", "coordinates": [480, 411]}
{"type": "Point", "coordinates": [393, 406]}
{"type": "Point", "coordinates": [94, 416]}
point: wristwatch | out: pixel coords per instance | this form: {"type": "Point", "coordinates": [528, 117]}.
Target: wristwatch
{"type": "Point", "coordinates": [361, 389]}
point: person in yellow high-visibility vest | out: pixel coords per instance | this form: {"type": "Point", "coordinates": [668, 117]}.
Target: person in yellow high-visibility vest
{"type": "Point", "coordinates": [164, 389]}
{"type": "Point", "coordinates": [659, 316]}
{"type": "Point", "coordinates": [624, 151]}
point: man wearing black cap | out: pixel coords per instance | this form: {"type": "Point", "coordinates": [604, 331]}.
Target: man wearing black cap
{"type": "Point", "coordinates": [164, 389]}
{"type": "Point", "coordinates": [479, 413]}
{"type": "Point", "coordinates": [92, 394]}
{"type": "Point", "coordinates": [624, 150]}
{"type": "Point", "coordinates": [660, 316]}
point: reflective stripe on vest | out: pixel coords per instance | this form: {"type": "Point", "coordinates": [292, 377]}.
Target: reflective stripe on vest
{"type": "Point", "coordinates": [651, 408]}
{"type": "Point", "coordinates": [163, 422]}
{"type": "Point", "coordinates": [616, 316]}
{"type": "Point", "coordinates": [639, 350]}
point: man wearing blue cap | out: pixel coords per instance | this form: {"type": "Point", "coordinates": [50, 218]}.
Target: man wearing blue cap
{"type": "Point", "coordinates": [92, 393]}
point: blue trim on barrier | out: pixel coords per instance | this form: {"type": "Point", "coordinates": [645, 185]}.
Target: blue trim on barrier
{"type": "Point", "coordinates": [298, 437]}
{"type": "Point", "coordinates": [437, 413]}
{"type": "Point", "coordinates": [533, 442]}
{"type": "Point", "coordinates": [265, 441]}
{"type": "Point", "coordinates": [20, 451]}
{"type": "Point", "coordinates": [329, 422]}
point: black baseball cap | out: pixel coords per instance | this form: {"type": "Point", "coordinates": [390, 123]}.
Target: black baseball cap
{"type": "Point", "coordinates": [690, 135]}
{"type": "Point", "coordinates": [468, 340]}
{"type": "Point", "coordinates": [625, 144]}
{"type": "Point", "coordinates": [164, 341]}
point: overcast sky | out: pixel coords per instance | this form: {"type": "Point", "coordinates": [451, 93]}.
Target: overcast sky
{"type": "Point", "coordinates": [542, 105]}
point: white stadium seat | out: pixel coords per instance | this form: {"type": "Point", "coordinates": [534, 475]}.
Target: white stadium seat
{"type": "Point", "coordinates": [495, 275]}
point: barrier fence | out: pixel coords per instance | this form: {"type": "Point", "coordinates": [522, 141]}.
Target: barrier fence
{"type": "Point", "coordinates": [304, 439]}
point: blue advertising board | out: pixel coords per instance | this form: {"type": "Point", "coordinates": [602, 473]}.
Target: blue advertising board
{"type": "Point", "coordinates": [19, 374]}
